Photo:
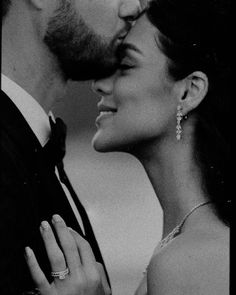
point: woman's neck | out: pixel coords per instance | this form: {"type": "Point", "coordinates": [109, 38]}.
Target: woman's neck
{"type": "Point", "coordinates": [176, 180]}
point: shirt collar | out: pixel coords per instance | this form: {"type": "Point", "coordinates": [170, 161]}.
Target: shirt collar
{"type": "Point", "coordinates": [31, 110]}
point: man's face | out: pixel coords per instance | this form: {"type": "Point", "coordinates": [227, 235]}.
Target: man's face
{"type": "Point", "coordinates": [84, 35]}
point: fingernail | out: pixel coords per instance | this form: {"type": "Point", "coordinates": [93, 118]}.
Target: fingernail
{"type": "Point", "coordinates": [57, 218]}
{"type": "Point", "coordinates": [45, 225]}
{"type": "Point", "coordinates": [28, 251]}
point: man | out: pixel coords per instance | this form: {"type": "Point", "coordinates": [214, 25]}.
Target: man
{"type": "Point", "coordinates": [44, 44]}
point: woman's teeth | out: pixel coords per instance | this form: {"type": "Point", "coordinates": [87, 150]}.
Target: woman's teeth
{"type": "Point", "coordinates": [106, 112]}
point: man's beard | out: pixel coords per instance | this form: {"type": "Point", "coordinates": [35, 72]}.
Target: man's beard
{"type": "Point", "coordinates": [82, 55]}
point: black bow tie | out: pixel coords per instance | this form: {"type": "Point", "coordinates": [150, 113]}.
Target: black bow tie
{"type": "Point", "coordinates": [55, 148]}
{"type": "Point", "coordinates": [54, 151]}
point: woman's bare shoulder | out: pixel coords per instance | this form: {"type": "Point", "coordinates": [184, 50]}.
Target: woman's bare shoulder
{"type": "Point", "coordinates": [195, 263]}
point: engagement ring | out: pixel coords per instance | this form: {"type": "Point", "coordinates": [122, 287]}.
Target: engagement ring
{"type": "Point", "coordinates": [61, 275]}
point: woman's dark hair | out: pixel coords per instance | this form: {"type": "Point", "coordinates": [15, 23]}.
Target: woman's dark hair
{"type": "Point", "coordinates": [194, 35]}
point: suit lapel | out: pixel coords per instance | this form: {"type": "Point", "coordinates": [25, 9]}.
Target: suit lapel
{"type": "Point", "coordinates": [50, 197]}
{"type": "Point", "coordinates": [13, 122]}
{"type": "Point", "coordinates": [46, 194]}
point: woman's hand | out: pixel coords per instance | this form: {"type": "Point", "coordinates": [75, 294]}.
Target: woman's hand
{"type": "Point", "coordinates": [85, 277]}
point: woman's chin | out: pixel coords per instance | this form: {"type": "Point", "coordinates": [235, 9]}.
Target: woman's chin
{"type": "Point", "coordinates": [100, 144]}
{"type": "Point", "coordinates": [99, 148]}
{"type": "Point", "coordinates": [105, 142]}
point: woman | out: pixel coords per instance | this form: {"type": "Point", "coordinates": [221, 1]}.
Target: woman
{"type": "Point", "coordinates": [168, 106]}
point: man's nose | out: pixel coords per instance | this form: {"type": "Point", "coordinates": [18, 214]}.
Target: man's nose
{"type": "Point", "coordinates": [130, 9]}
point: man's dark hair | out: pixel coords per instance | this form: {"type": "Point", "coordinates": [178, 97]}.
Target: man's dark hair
{"type": "Point", "coordinates": [5, 4]}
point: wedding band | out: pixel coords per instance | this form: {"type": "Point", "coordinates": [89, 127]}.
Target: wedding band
{"type": "Point", "coordinates": [61, 275]}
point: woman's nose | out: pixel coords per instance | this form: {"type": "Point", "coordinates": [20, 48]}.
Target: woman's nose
{"type": "Point", "coordinates": [129, 9]}
{"type": "Point", "coordinates": [103, 87]}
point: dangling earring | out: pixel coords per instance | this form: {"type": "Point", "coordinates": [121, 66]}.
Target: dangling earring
{"type": "Point", "coordinates": [179, 117]}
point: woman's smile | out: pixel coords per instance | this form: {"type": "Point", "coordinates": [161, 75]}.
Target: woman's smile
{"type": "Point", "coordinates": [139, 101]}
{"type": "Point", "coordinates": [105, 111]}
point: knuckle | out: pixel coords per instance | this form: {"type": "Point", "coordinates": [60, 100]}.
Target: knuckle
{"type": "Point", "coordinates": [80, 278]}
{"type": "Point", "coordinates": [66, 244]}
{"type": "Point", "coordinates": [47, 234]}
{"type": "Point", "coordinates": [80, 284]}
{"type": "Point", "coordinates": [99, 266]}
{"type": "Point", "coordinates": [60, 226]}
{"type": "Point", "coordinates": [85, 243]}
{"type": "Point", "coordinates": [58, 259]}
{"type": "Point", "coordinates": [42, 281]}
{"type": "Point", "coordinates": [94, 278]}
{"type": "Point", "coordinates": [70, 246]}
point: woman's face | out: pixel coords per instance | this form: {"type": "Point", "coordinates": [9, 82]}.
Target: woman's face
{"type": "Point", "coordinates": [138, 104]}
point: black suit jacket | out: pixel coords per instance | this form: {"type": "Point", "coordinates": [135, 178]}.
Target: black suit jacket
{"type": "Point", "coordinates": [29, 193]}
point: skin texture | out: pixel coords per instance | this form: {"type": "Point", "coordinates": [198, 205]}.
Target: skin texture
{"type": "Point", "coordinates": [94, 11]}
{"type": "Point", "coordinates": [84, 35]}
{"type": "Point", "coordinates": [138, 109]}
{"type": "Point", "coordinates": [196, 263]}
{"type": "Point", "coordinates": [28, 59]}
{"type": "Point", "coordinates": [143, 95]}
{"type": "Point", "coordinates": [143, 100]}
{"type": "Point", "coordinates": [86, 276]}
{"type": "Point", "coordinates": [65, 38]}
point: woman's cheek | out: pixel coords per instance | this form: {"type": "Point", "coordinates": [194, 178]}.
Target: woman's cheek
{"type": "Point", "coordinates": [124, 90]}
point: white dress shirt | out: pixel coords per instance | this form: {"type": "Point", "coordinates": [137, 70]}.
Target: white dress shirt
{"type": "Point", "coordinates": [38, 121]}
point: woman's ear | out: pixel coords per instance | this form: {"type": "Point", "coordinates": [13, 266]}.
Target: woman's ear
{"type": "Point", "coordinates": [196, 88]}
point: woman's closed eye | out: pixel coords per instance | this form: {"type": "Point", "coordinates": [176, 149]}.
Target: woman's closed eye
{"type": "Point", "coordinates": [126, 65]}
{"type": "Point", "coordinates": [126, 60]}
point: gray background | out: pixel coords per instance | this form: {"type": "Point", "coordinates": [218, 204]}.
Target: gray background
{"type": "Point", "coordinates": [114, 189]}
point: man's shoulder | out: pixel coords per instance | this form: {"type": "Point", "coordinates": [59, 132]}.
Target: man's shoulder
{"type": "Point", "coordinates": [190, 263]}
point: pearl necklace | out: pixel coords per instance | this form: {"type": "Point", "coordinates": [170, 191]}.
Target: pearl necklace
{"type": "Point", "coordinates": [178, 228]}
